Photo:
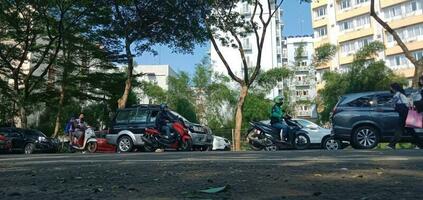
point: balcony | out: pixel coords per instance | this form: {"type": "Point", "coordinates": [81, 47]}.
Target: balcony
{"type": "Point", "coordinates": [303, 113]}
{"type": "Point", "coordinates": [303, 98]}
{"type": "Point", "coordinates": [304, 82]}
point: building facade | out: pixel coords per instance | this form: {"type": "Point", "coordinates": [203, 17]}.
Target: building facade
{"type": "Point", "coordinates": [348, 24]}
{"type": "Point", "coordinates": [302, 85]}
{"type": "Point", "coordinates": [156, 74]}
{"type": "Point", "coordinates": [272, 48]}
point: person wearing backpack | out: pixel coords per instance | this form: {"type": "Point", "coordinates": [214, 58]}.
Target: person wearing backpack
{"type": "Point", "coordinates": [70, 129]}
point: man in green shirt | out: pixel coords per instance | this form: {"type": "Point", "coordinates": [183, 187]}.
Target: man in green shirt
{"type": "Point", "coordinates": [276, 117]}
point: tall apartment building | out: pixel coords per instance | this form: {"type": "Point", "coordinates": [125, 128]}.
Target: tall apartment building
{"type": "Point", "coordinates": [302, 85]}
{"type": "Point", "coordinates": [348, 24]}
{"type": "Point", "coordinates": [272, 48]}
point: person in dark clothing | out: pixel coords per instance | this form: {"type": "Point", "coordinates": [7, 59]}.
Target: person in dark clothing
{"type": "Point", "coordinates": [401, 105]}
{"type": "Point", "coordinates": [276, 117]}
{"type": "Point", "coordinates": [163, 121]}
{"type": "Point", "coordinates": [418, 104]}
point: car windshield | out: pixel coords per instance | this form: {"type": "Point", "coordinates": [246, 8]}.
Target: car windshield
{"type": "Point", "coordinates": [306, 123]}
{"type": "Point", "coordinates": [178, 115]}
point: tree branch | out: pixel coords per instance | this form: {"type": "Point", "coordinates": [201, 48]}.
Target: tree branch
{"type": "Point", "coordinates": [241, 51]}
{"type": "Point", "coordinates": [417, 66]}
{"type": "Point", "coordinates": [230, 73]}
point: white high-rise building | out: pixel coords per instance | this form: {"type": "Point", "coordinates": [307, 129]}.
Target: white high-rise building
{"type": "Point", "coordinates": [272, 48]}
{"type": "Point", "coordinates": [302, 85]}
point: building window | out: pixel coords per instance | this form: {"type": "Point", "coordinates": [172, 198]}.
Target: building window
{"type": "Point", "coordinates": [245, 8]}
{"type": "Point", "coordinates": [418, 55]}
{"type": "Point", "coordinates": [354, 23]}
{"type": "Point", "coordinates": [246, 44]}
{"type": "Point", "coordinates": [402, 10]}
{"type": "Point", "coordinates": [320, 11]}
{"type": "Point", "coordinates": [321, 31]}
{"type": "Point", "coordinates": [345, 4]}
{"type": "Point", "coordinates": [351, 47]}
{"type": "Point", "coordinates": [346, 25]}
{"type": "Point", "coordinates": [357, 2]}
{"type": "Point", "coordinates": [406, 34]}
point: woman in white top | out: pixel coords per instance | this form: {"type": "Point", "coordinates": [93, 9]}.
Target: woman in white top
{"type": "Point", "coordinates": [401, 104]}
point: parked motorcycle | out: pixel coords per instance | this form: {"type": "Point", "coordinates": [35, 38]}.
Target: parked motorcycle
{"type": "Point", "coordinates": [179, 139]}
{"type": "Point", "coordinates": [263, 136]}
{"type": "Point", "coordinates": [87, 142]}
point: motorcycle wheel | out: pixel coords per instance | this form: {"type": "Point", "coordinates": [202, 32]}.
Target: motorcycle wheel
{"type": "Point", "coordinates": [186, 145]}
{"type": "Point", "coordinates": [149, 148]}
{"type": "Point", "coordinates": [250, 138]}
{"type": "Point", "coordinates": [92, 147]}
{"type": "Point", "coordinates": [301, 141]}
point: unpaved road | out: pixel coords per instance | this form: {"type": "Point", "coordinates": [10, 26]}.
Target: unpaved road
{"type": "Point", "coordinates": [316, 174]}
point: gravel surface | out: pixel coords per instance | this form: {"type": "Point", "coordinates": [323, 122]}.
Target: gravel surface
{"type": "Point", "coordinates": [361, 175]}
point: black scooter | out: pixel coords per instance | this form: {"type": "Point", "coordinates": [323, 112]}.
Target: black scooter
{"type": "Point", "coordinates": [262, 136]}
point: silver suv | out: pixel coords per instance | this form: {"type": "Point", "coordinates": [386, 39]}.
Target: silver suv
{"type": "Point", "coordinates": [129, 124]}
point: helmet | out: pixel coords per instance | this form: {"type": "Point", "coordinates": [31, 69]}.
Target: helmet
{"type": "Point", "coordinates": [163, 106]}
{"type": "Point", "coordinates": [278, 99]}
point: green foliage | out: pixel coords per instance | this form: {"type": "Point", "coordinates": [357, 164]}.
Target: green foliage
{"type": "Point", "coordinates": [365, 74]}
{"type": "Point", "coordinates": [256, 108]}
{"type": "Point", "coordinates": [269, 79]}
{"type": "Point", "coordinates": [154, 92]}
{"type": "Point", "coordinates": [324, 54]}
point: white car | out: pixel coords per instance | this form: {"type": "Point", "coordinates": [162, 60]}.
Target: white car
{"type": "Point", "coordinates": [320, 137]}
{"type": "Point", "coordinates": [221, 143]}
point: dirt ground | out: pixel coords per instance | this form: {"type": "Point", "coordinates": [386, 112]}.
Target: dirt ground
{"type": "Point", "coordinates": [113, 177]}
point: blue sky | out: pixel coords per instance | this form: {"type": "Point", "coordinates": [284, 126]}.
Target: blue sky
{"type": "Point", "coordinates": [297, 19]}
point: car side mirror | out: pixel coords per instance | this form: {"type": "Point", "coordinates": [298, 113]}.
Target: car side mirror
{"type": "Point", "coordinates": [312, 127]}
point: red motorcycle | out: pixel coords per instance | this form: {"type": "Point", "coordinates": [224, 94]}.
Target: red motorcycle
{"type": "Point", "coordinates": [179, 139]}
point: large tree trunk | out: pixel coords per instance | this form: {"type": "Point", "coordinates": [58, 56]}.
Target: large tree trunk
{"type": "Point", "coordinates": [418, 66]}
{"type": "Point", "coordinates": [128, 84]}
{"type": "Point", "coordinates": [59, 111]}
{"type": "Point", "coordinates": [23, 117]}
{"type": "Point", "coordinates": [238, 117]}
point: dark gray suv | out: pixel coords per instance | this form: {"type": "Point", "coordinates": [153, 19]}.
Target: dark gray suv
{"type": "Point", "coordinates": [366, 119]}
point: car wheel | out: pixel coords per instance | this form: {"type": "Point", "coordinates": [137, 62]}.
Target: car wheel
{"type": "Point", "coordinates": [365, 137]}
{"type": "Point", "coordinates": [332, 144]}
{"type": "Point", "coordinates": [125, 144]}
{"type": "Point", "coordinates": [301, 141]}
{"type": "Point", "coordinates": [208, 148]}
{"type": "Point", "coordinates": [92, 147]}
{"type": "Point", "coordinates": [29, 148]}
{"type": "Point", "coordinates": [186, 145]}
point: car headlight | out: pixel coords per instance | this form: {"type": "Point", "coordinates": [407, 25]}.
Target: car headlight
{"type": "Point", "coordinates": [42, 139]}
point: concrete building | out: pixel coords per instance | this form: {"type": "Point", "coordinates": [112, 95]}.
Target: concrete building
{"type": "Point", "coordinates": [272, 48]}
{"type": "Point", "coordinates": [156, 74]}
{"type": "Point", "coordinates": [348, 24]}
{"type": "Point", "coordinates": [302, 85]}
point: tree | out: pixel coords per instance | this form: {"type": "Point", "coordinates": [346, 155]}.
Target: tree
{"type": "Point", "coordinates": [365, 74]}
{"type": "Point", "coordinates": [226, 25]}
{"type": "Point", "coordinates": [418, 64]}
{"type": "Point", "coordinates": [31, 34]}
{"type": "Point", "coordinates": [181, 96]}
{"type": "Point", "coordinates": [135, 26]}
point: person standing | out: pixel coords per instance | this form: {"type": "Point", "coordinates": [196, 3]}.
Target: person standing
{"type": "Point", "coordinates": [401, 105]}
